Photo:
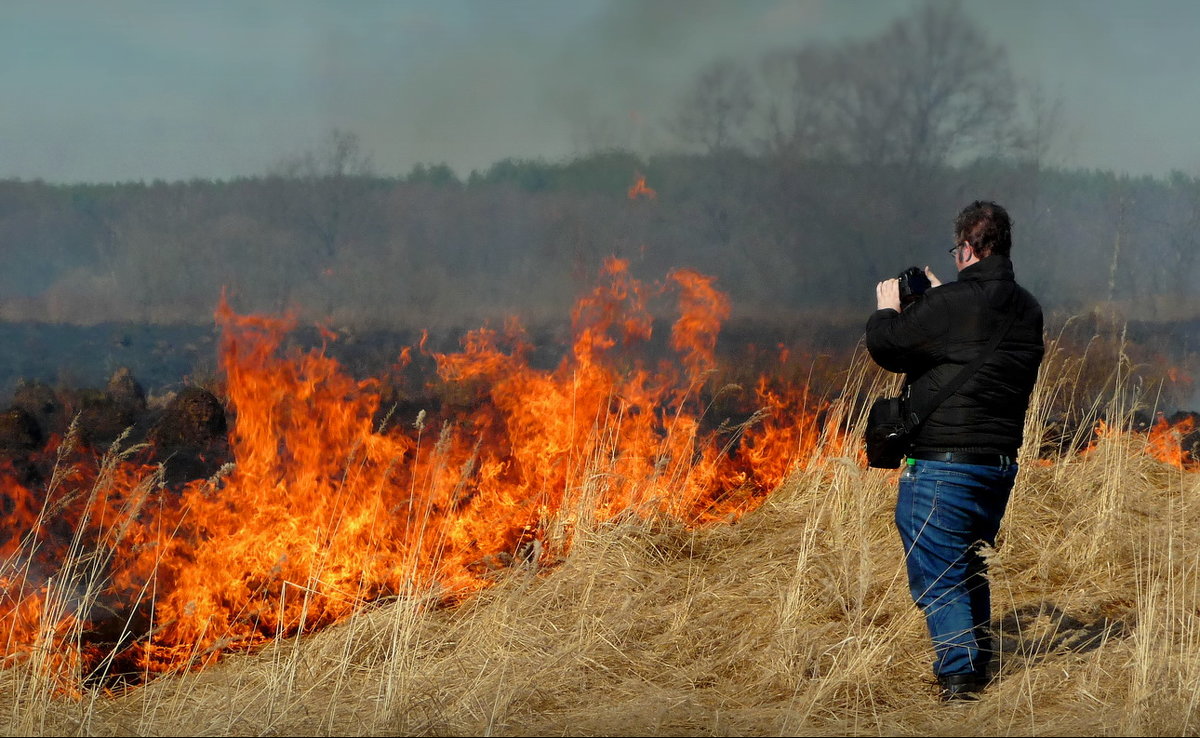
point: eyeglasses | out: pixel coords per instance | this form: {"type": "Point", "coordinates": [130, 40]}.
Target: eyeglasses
{"type": "Point", "coordinates": [956, 248]}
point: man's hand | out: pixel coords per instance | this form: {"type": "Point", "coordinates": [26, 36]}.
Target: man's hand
{"type": "Point", "coordinates": [933, 280]}
{"type": "Point", "coordinates": [887, 295]}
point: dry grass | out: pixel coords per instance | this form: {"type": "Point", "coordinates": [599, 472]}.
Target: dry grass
{"type": "Point", "coordinates": [795, 620]}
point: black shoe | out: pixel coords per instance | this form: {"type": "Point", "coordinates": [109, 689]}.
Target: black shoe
{"type": "Point", "coordinates": [960, 687]}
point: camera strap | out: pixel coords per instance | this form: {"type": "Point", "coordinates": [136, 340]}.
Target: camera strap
{"type": "Point", "coordinates": [963, 374]}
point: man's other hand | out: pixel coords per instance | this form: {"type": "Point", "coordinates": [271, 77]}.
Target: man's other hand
{"type": "Point", "coordinates": [933, 280]}
{"type": "Point", "coordinates": [887, 295]}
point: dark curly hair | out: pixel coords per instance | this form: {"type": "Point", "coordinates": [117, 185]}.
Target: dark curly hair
{"type": "Point", "coordinates": [986, 226]}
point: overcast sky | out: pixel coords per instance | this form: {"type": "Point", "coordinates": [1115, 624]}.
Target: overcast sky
{"type": "Point", "coordinates": [123, 90]}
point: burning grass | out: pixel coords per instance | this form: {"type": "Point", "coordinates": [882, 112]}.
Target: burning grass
{"type": "Point", "coordinates": [324, 509]}
{"type": "Point", "coordinates": [627, 572]}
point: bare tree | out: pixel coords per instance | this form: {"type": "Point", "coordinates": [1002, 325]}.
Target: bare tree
{"type": "Point", "coordinates": [931, 89]}
{"type": "Point", "coordinates": [794, 126]}
{"type": "Point", "coordinates": [327, 177]}
{"type": "Point", "coordinates": [1037, 138]}
{"type": "Point", "coordinates": [322, 193]}
{"type": "Point", "coordinates": [715, 109]}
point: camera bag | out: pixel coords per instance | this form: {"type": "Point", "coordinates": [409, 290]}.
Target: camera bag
{"type": "Point", "coordinates": [889, 431]}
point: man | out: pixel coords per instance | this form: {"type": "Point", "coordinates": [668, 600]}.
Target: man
{"type": "Point", "coordinates": [962, 461]}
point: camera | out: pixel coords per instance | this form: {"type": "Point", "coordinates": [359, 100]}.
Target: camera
{"type": "Point", "coordinates": [913, 284]}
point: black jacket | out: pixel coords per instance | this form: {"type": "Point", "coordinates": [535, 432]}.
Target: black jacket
{"type": "Point", "coordinates": [945, 330]}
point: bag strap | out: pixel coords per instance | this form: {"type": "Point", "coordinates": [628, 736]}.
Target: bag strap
{"type": "Point", "coordinates": [963, 374]}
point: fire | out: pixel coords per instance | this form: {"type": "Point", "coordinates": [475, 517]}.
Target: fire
{"type": "Point", "coordinates": [1166, 440]}
{"type": "Point", "coordinates": [639, 189]}
{"type": "Point", "coordinates": [1175, 375]}
{"type": "Point", "coordinates": [1175, 440]}
{"type": "Point", "coordinates": [324, 509]}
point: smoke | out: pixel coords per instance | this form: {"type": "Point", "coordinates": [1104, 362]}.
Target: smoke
{"type": "Point", "coordinates": [497, 86]}
{"type": "Point", "coordinates": [142, 90]}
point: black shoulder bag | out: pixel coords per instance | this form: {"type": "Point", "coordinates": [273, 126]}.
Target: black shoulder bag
{"type": "Point", "coordinates": [891, 423]}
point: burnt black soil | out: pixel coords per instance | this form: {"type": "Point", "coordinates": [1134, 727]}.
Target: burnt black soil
{"type": "Point", "coordinates": [165, 358]}
{"type": "Point", "coordinates": [86, 356]}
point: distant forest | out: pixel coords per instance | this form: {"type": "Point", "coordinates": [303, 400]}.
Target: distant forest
{"type": "Point", "coordinates": [798, 180]}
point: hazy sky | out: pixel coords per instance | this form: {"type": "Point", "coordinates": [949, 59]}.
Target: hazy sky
{"type": "Point", "coordinates": [119, 90]}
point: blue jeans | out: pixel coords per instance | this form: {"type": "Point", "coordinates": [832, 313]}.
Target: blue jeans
{"type": "Point", "coordinates": [945, 513]}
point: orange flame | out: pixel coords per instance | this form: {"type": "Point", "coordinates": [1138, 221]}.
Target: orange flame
{"type": "Point", "coordinates": [1165, 440]}
{"type": "Point", "coordinates": [323, 511]}
{"type": "Point", "coordinates": [639, 189]}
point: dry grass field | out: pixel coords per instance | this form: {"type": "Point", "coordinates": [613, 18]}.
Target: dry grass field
{"type": "Point", "coordinates": [795, 619]}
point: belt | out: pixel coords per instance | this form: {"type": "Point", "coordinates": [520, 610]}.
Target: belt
{"type": "Point", "coordinates": [963, 457]}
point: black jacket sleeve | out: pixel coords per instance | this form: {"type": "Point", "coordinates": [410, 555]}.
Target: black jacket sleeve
{"type": "Point", "coordinates": [909, 341]}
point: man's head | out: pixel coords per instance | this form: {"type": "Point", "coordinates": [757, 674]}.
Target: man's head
{"type": "Point", "coordinates": [980, 230]}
